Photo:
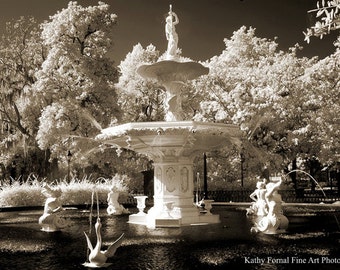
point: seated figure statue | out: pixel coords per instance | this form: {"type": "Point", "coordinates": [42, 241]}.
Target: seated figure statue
{"type": "Point", "coordinates": [50, 220]}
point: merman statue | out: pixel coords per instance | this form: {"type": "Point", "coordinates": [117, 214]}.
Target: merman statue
{"type": "Point", "coordinates": [114, 207]}
{"type": "Point", "coordinates": [50, 220]}
{"type": "Point", "coordinates": [97, 257]}
{"type": "Point", "coordinates": [274, 222]}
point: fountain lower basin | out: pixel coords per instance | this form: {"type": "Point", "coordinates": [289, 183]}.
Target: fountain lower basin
{"type": "Point", "coordinates": [217, 246]}
{"type": "Point", "coordinates": [172, 146]}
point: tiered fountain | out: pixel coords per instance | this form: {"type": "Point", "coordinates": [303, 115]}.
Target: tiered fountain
{"type": "Point", "coordinates": [172, 144]}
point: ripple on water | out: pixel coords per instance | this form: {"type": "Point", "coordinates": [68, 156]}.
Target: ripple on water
{"type": "Point", "coordinates": [132, 241]}
{"type": "Point", "coordinates": [301, 235]}
{"type": "Point", "coordinates": [22, 246]}
{"type": "Point", "coordinates": [215, 257]}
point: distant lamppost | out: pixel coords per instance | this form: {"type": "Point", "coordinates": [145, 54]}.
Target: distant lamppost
{"type": "Point", "coordinates": [1, 174]}
{"type": "Point", "coordinates": [205, 176]}
{"type": "Point", "coordinates": [242, 158]}
{"type": "Point", "coordinates": [69, 156]}
{"type": "Point", "coordinates": [329, 181]}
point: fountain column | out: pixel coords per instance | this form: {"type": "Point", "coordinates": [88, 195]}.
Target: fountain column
{"type": "Point", "coordinates": [173, 182]}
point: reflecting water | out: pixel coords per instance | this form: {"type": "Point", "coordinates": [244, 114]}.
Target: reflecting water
{"type": "Point", "coordinates": [228, 245]}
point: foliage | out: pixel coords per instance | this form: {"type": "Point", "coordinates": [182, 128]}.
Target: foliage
{"type": "Point", "coordinates": [330, 19]}
{"type": "Point", "coordinates": [21, 54]}
{"type": "Point", "coordinates": [76, 81]}
{"type": "Point", "coordinates": [246, 85]}
{"type": "Point", "coordinates": [28, 194]}
{"type": "Point", "coordinates": [74, 192]}
{"type": "Point", "coordinates": [223, 169]}
{"type": "Point", "coordinates": [275, 97]}
{"type": "Point", "coordinates": [80, 191]}
{"type": "Point", "coordinates": [322, 102]}
{"type": "Point", "coordinates": [140, 99]}
{"type": "Point", "coordinates": [57, 87]}
{"type": "Point", "coordinates": [112, 161]}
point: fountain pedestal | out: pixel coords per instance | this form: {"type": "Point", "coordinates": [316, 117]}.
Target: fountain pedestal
{"type": "Point", "coordinates": [173, 183]}
{"type": "Point", "coordinates": [172, 146]}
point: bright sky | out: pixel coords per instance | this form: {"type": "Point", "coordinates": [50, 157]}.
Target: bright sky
{"type": "Point", "coordinates": [203, 23]}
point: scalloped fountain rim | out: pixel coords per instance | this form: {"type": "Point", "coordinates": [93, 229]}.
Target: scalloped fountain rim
{"type": "Point", "coordinates": [169, 127]}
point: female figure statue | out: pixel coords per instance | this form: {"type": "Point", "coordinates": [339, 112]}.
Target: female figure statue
{"type": "Point", "coordinates": [259, 206]}
{"type": "Point", "coordinates": [171, 35]}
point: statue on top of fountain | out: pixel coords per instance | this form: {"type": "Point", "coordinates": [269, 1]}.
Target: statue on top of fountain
{"type": "Point", "coordinates": [171, 35]}
{"type": "Point", "coordinates": [173, 72]}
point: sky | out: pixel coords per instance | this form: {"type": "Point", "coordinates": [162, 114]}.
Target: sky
{"type": "Point", "coordinates": [203, 24]}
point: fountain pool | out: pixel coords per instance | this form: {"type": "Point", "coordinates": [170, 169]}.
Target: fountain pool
{"type": "Point", "coordinates": [312, 235]}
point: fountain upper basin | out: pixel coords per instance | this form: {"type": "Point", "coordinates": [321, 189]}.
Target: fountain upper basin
{"type": "Point", "coordinates": [185, 137]}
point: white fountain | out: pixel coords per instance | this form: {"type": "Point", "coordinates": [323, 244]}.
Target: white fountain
{"type": "Point", "coordinates": [174, 143]}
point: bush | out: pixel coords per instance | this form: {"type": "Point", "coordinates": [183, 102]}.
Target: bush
{"type": "Point", "coordinates": [74, 192]}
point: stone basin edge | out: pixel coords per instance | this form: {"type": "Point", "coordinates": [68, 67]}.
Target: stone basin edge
{"type": "Point", "coordinates": [159, 126]}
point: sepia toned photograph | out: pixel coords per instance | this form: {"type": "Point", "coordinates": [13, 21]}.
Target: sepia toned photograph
{"type": "Point", "coordinates": [169, 135]}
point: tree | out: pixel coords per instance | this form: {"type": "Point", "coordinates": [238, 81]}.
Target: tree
{"type": "Point", "coordinates": [250, 84]}
{"type": "Point", "coordinates": [140, 99]}
{"type": "Point", "coordinates": [323, 81]}
{"type": "Point", "coordinates": [330, 19]}
{"type": "Point", "coordinates": [75, 85]}
{"type": "Point", "coordinates": [21, 54]}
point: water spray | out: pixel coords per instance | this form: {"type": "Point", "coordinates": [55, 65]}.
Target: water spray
{"type": "Point", "coordinates": [317, 183]}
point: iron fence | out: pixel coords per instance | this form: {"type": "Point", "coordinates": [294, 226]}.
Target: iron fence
{"type": "Point", "coordinates": [288, 196]}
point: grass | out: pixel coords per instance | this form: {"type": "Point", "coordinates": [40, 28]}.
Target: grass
{"type": "Point", "coordinates": [74, 192]}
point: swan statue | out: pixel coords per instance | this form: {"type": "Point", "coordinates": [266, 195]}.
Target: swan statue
{"type": "Point", "coordinates": [97, 257]}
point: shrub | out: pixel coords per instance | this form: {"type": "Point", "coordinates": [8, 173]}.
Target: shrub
{"type": "Point", "coordinates": [76, 191]}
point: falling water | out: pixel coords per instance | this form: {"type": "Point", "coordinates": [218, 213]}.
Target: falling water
{"type": "Point", "coordinates": [90, 217]}
{"type": "Point", "coordinates": [316, 182]}
{"type": "Point", "coordinates": [197, 188]}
